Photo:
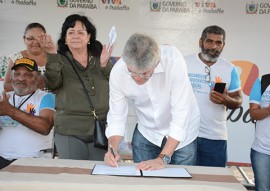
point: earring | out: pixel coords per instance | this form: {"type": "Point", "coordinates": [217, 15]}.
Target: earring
{"type": "Point", "coordinates": [88, 42]}
{"type": "Point", "coordinates": [65, 42]}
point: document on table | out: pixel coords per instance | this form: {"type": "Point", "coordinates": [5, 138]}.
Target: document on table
{"type": "Point", "coordinates": [176, 172]}
{"type": "Point", "coordinates": [168, 172]}
{"type": "Point", "coordinates": [100, 169]}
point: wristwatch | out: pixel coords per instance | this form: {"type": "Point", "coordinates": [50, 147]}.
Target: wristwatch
{"type": "Point", "coordinates": [166, 158]}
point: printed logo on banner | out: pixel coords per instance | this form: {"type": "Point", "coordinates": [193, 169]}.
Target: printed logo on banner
{"type": "Point", "coordinates": [78, 4]}
{"type": "Point", "coordinates": [155, 5]}
{"type": "Point", "coordinates": [24, 2]}
{"type": "Point", "coordinates": [248, 72]}
{"type": "Point", "coordinates": [258, 8]}
{"type": "Point", "coordinates": [252, 8]}
{"type": "Point", "coordinates": [207, 7]}
{"type": "Point", "coordinates": [115, 5]}
{"type": "Point", "coordinates": [170, 6]}
{"type": "Point", "coordinates": [62, 3]}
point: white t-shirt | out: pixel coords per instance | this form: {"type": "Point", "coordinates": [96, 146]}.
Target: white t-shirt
{"type": "Point", "coordinates": [165, 105]}
{"type": "Point", "coordinates": [213, 116]}
{"type": "Point", "coordinates": [18, 141]}
{"type": "Point", "coordinates": [262, 133]}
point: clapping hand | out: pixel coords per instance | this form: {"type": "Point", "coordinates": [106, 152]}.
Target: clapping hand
{"type": "Point", "coordinates": [105, 56]}
{"type": "Point", "coordinates": [5, 106]}
{"type": "Point", "coordinates": [46, 42]}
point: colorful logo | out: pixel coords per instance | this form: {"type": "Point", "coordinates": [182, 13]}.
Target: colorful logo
{"type": "Point", "coordinates": [207, 7]}
{"type": "Point", "coordinates": [114, 2]}
{"type": "Point", "coordinates": [248, 72]}
{"type": "Point", "coordinates": [115, 5]}
{"type": "Point", "coordinates": [62, 3]}
{"type": "Point", "coordinates": [155, 5]}
{"type": "Point", "coordinates": [212, 84]}
{"type": "Point", "coordinates": [31, 109]}
{"type": "Point", "coordinates": [218, 79]}
{"type": "Point", "coordinates": [205, 4]}
{"type": "Point", "coordinates": [252, 8]}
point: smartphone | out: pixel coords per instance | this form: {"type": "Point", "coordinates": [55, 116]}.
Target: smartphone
{"type": "Point", "coordinates": [219, 87]}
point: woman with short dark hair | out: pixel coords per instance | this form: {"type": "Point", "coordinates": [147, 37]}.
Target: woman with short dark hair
{"type": "Point", "coordinates": [78, 50]}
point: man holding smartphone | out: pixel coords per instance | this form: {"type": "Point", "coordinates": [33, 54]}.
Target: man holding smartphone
{"type": "Point", "coordinates": [216, 84]}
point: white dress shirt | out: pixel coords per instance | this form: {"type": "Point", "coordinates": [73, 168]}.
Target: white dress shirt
{"type": "Point", "coordinates": [165, 105]}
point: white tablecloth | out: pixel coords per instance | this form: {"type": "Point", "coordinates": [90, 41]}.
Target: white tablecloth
{"type": "Point", "coordinates": [33, 174]}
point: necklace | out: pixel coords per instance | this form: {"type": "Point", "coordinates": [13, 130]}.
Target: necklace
{"type": "Point", "coordinates": [22, 101]}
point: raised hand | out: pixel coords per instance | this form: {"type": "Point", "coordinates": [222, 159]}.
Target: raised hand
{"type": "Point", "coordinates": [105, 56]}
{"type": "Point", "coordinates": [46, 42]}
{"type": "Point", "coordinates": [5, 106]}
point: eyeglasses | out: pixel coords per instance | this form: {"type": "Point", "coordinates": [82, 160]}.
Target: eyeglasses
{"type": "Point", "coordinates": [141, 75]}
{"type": "Point", "coordinates": [30, 39]}
{"type": "Point", "coordinates": [207, 77]}
{"type": "Point", "coordinates": [144, 75]}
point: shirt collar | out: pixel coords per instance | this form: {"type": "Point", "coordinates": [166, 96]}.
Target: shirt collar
{"type": "Point", "coordinates": [159, 68]}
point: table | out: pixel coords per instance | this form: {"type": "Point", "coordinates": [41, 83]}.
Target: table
{"type": "Point", "coordinates": [58, 174]}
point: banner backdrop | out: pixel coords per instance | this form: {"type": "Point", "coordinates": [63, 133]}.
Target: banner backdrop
{"type": "Point", "coordinates": [176, 22]}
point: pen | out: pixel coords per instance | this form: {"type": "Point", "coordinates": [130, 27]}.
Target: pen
{"type": "Point", "coordinates": [112, 151]}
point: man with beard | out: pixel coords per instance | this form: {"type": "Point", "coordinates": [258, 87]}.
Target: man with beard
{"type": "Point", "coordinates": [205, 69]}
{"type": "Point", "coordinates": [26, 115]}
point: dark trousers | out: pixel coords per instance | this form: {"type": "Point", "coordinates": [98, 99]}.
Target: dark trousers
{"type": "Point", "coordinates": [211, 152]}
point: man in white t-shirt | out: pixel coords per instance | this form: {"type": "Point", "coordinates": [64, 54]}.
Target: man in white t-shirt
{"type": "Point", "coordinates": [26, 115]}
{"type": "Point", "coordinates": [155, 79]}
{"type": "Point", "coordinates": [205, 69]}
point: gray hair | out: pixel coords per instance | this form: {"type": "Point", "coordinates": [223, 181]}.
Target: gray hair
{"type": "Point", "coordinates": [141, 52]}
{"type": "Point", "coordinates": [31, 88]}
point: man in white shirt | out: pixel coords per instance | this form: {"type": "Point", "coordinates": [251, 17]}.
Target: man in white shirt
{"type": "Point", "coordinates": [205, 69]}
{"type": "Point", "coordinates": [155, 79]}
{"type": "Point", "coordinates": [26, 115]}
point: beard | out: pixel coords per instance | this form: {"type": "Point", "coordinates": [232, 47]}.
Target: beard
{"type": "Point", "coordinates": [210, 55]}
{"type": "Point", "coordinates": [21, 88]}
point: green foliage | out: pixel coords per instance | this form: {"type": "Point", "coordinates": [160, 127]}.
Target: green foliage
{"type": "Point", "coordinates": [3, 66]}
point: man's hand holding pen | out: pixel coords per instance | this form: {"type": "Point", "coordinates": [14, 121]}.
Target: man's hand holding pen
{"type": "Point", "coordinates": [111, 157]}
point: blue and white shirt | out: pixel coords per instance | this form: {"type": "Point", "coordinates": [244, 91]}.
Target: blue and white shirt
{"type": "Point", "coordinates": [262, 133]}
{"type": "Point", "coordinates": [213, 116]}
{"type": "Point", "coordinates": [18, 141]}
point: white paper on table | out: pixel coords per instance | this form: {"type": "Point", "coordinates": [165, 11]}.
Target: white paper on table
{"type": "Point", "coordinates": [132, 171]}
{"type": "Point", "coordinates": [118, 171]}
{"type": "Point", "coordinates": [112, 37]}
{"type": "Point", "coordinates": [168, 172]}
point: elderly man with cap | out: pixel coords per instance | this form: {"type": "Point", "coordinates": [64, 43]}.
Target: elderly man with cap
{"type": "Point", "coordinates": [26, 115]}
